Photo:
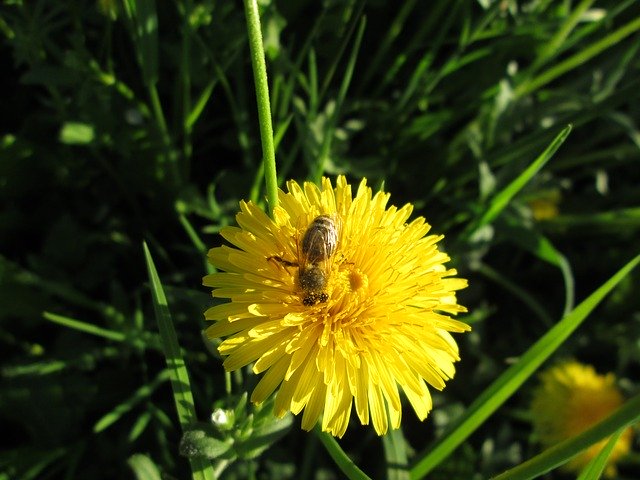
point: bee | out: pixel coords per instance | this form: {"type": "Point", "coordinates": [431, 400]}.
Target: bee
{"type": "Point", "coordinates": [318, 245]}
{"type": "Point", "coordinates": [315, 253]}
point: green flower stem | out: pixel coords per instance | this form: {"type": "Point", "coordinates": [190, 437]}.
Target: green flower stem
{"type": "Point", "coordinates": [262, 95]}
{"type": "Point", "coordinates": [345, 464]}
{"type": "Point", "coordinates": [626, 415]}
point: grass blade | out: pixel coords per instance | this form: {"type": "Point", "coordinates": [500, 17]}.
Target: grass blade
{"type": "Point", "coordinates": [143, 467]}
{"type": "Point", "coordinates": [395, 454]}
{"type": "Point", "coordinates": [342, 93]}
{"type": "Point", "coordinates": [578, 59]}
{"type": "Point", "coordinates": [502, 199]}
{"type": "Point", "coordinates": [140, 394]}
{"type": "Point", "coordinates": [555, 456]}
{"type": "Point", "coordinates": [554, 45]}
{"type": "Point", "coordinates": [595, 468]}
{"type": "Point", "coordinates": [144, 20]}
{"type": "Point", "coordinates": [85, 327]}
{"type": "Point", "coordinates": [180, 384]}
{"type": "Point", "coordinates": [508, 383]}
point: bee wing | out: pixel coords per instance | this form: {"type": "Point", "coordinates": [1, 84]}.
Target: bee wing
{"type": "Point", "coordinates": [318, 244]}
{"type": "Point", "coordinates": [316, 247]}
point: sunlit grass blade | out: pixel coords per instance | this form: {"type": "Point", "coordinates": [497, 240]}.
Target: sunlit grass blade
{"type": "Point", "coordinates": [85, 327]}
{"type": "Point", "coordinates": [139, 426]}
{"type": "Point", "coordinates": [597, 465]}
{"type": "Point", "coordinates": [346, 465]}
{"type": "Point", "coordinates": [626, 415]}
{"type": "Point", "coordinates": [509, 382]}
{"type": "Point", "coordinates": [175, 363]}
{"type": "Point", "coordinates": [142, 393]}
{"type": "Point", "coordinates": [502, 199]}
{"type": "Point", "coordinates": [395, 454]}
{"type": "Point", "coordinates": [577, 59]}
{"type": "Point", "coordinates": [554, 44]}
{"type": "Point", "coordinates": [342, 93]}
{"type": "Point", "coordinates": [143, 467]}
{"type": "Point", "coordinates": [150, 340]}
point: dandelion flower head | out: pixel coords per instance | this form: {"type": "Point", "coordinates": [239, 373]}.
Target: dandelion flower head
{"type": "Point", "coordinates": [571, 398]}
{"type": "Point", "coordinates": [367, 317]}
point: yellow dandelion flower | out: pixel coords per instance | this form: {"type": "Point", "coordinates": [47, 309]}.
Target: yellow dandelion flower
{"type": "Point", "coordinates": [545, 206]}
{"type": "Point", "coordinates": [338, 301]}
{"type": "Point", "coordinates": [571, 398]}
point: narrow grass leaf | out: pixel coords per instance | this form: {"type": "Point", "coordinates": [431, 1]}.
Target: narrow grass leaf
{"type": "Point", "coordinates": [175, 362]}
{"type": "Point", "coordinates": [554, 45]}
{"type": "Point", "coordinates": [622, 219]}
{"type": "Point", "coordinates": [510, 286]}
{"type": "Point", "coordinates": [541, 247]}
{"type": "Point", "coordinates": [192, 233]}
{"type": "Point", "coordinates": [140, 425]}
{"type": "Point", "coordinates": [502, 199]}
{"type": "Point", "coordinates": [356, 14]}
{"type": "Point", "coordinates": [578, 59]}
{"type": "Point", "coordinates": [395, 454]}
{"type": "Point", "coordinates": [626, 415]}
{"type": "Point", "coordinates": [199, 105]}
{"type": "Point", "coordinates": [509, 382]}
{"type": "Point", "coordinates": [342, 93]}
{"type": "Point", "coordinates": [84, 327]}
{"type": "Point", "coordinates": [595, 468]}
{"type": "Point", "coordinates": [143, 467]}
{"type": "Point", "coordinates": [33, 463]}
{"type": "Point", "coordinates": [139, 395]}
{"type": "Point", "coordinates": [341, 459]}
{"type": "Point", "coordinates": [180, 384]}
{"type": "Point", "coordinates": [392, 33]}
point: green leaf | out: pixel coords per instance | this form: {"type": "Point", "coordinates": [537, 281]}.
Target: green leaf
{"type": "Point", "coordinates": [201, 443]}
{"type": "Point", "coordinates": [509, 382]}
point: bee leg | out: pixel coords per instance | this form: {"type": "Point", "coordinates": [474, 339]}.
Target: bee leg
{"type": "Point", "coordinates": [282, 261]}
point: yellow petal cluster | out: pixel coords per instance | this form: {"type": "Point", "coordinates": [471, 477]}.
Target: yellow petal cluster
{"type": "Point", "coordinates": [571, 398]}
{"type": "Point", "coordinates": [385, 327]}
